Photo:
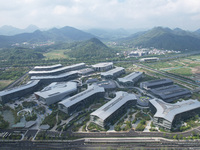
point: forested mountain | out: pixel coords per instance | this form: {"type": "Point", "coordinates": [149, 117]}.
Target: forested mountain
{"type": "Point", "coordinates": [166, 38]}
{"type": "Point", "coordinates": [9, 30]}
{"type": "Point", "coordinates": [19, 53]}
{"type": "Point", "coordinates": [65, 34]}
{"type": "Point", "coordinates": [92, 48]}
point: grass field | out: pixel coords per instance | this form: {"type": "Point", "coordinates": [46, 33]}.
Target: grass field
{"type": "Point", "coordinates": [4, 83]}
{"type": "Point", "coordinates": [57, 54]}
{"type": "Point", "coordinates": [182, 71]}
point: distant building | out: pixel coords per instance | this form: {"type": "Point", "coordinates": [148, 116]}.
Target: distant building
{"type": "Point", "coordinates": [114, 73]}
{"type": "Point", "coordinates": [57, 78]}
{"type": "Point", "coordinates": [58, 70]}
{"type": "Point", "coordinates": [167, 115]}
{"type": "Point", "coordinates": [149, 59]}
{"type": "Point", "coordinates": [56, 91]}
{"type": "Point", "coordinates": [17, 92]}
{"type": "Point", "coordinates": [170, 93]}
{"type": "Point", "coordinates": [80, 100]}
{"type": "Point", "coordinates": [155, 83]}
{"type": "Point", "coordinates": [103, 66]}
{"type": "Point", "coordinates": [111, 110]}
{"type": "Point", "coordinates": [46, 68]}
{"type": "Point", "coordinates": [130, 79]}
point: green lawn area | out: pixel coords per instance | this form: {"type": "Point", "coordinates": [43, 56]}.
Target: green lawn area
{"type": "Point", "coordinates": [160, 65]}
{"type": "Point", "coordinates": [182, 71]}
{"type": "Point", "coordinates": [4, 83]}
{"type": "Point", "coordinates": [57, 54]}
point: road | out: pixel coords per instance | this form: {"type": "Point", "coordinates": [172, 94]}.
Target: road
{"type": "Point", "coordinates": [104, 143]}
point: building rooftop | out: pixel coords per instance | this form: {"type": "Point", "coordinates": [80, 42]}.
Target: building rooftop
{"type": "Point", "coordinates": [48, 67]}
{"type": "Point", "coordinates": [81, 96]}
{"type": "Point", "coordinates": [112, 72]}
{"type": "Point", "coordinates": [157, 82]}
{"type": "Point", "coordinates": [85, 71]}
{"type": "Point", "coordinates": [68, 68]}
{"type": "Point", "coordinates": [19, 88]}
{"type": "Point", "coordinates": [102, 64]}
{"type": "Point", "coordinates": [54, 76]}
{"type": "Point", "coordinates": [130, 77]}
{"type": "Point", "coordinates": [109, 108]}
{"type": "Point", "coordinates": [56, 88]}
{"type": "Point", "coordinates": [171, 91]}
{"type": "Point", "coordinates": [169, 111]}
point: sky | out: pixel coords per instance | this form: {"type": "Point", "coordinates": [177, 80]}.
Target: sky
{"type": "Point", "coordinates": [113, 14]}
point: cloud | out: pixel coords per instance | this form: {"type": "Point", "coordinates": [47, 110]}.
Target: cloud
{"type": "Point", "coordinates": [101, 13]}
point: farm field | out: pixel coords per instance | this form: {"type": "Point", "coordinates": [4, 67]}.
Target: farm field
{"type": "Point", "coordinates": [4, 83]}
{"type": "Point", "coordinates": [57, 54]}
{"type": "Point", "coordinates": [188, 67]}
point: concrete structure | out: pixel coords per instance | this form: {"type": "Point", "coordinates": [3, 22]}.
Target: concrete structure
{"type": "Point", "coordinates": [103, 66]}
{"type": "Point", "coordinates": [150, 59]}
{"type": "Point", "coordinates": [57, 78]}
{"type": "Point", "coordinates": [155, 83]}
{"type": "Point", "coordinates": [45, 68]}
{"type": "Point", "coordinates": [167, 115]}
{"type": "Point", "coordinates": [114, 73]}
{"type": "Point", "coordinates": [17, 92]}
{"type": "Point", "coordinates": [56, 91]}
{"type": "Point", "coordinates": [130, 79]}
{"type": "Point", "coordinates": [170, 93]}
{"type": "Point", "coordinates": [58, 70]}
{"type": "Point", "coordinates": [111, 110]}
{"type": "Point", "coordinates": [80, 100]}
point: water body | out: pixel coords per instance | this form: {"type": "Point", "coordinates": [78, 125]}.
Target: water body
{"type": "Point", "coordinates": [8, 116]}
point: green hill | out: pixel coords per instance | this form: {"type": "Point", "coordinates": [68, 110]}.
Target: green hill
{"type": "Point", "coordinates": [65, 34]}
{"type": "Point", "coordinates": [19, 53]}
{"type": "Point", "coordinates": [92, 48]}
{"type": "Point", "coordinates": [165, 38]}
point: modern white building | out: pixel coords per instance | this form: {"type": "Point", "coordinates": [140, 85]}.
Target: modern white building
{"type": "Point", "coordinates": [111, 110]}
{"type": "Point", "coordinates": [81, 100]}
{"type": "Point", "coordinates": [58, 70]}
{"type": "Point", "coordinates": [166, 115]}
{"type": "Point", "coordinates": [56, 78]}
{"type": "Point", "coordinates": [103, 66]}
{"type": "Point", "coordinates": [56, 91]}
{"type": "Point", "coordinates": [45, 68]}
{"type": "Point", "coordinates": [114, 73]}
{"type": "Point", "coordinates": [130, 79]}
{"type": "Point", "coordinates": [17, 92]}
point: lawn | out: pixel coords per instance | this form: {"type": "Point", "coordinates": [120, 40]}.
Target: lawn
{"type": "Point", "coordinates": [57, 54]}
{"type": "Point", "coordinates": [182, 71]}
{"type": "Point", "coordinates": [4, 83]}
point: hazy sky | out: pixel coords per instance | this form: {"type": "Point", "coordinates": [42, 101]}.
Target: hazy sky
{"type": "Point", "coordinates": [85, 14]}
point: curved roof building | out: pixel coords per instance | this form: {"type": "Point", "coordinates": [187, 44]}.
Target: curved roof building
{"type": "Point", "coordinates": [167, 114]}
{"type": "Point", "coordinates": [107, 112]}
{"type": "Point", "coordinates": [71, 104]}
{"type": "Point", "coordinates": [58, 70]}
{"type": "Point", "coordinates": [56, 91]}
